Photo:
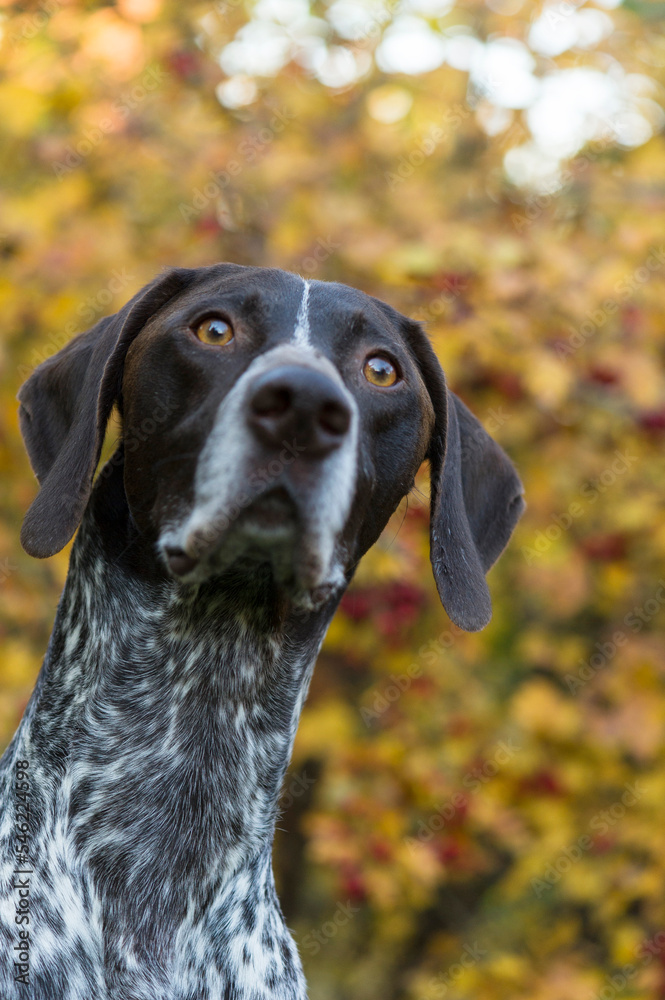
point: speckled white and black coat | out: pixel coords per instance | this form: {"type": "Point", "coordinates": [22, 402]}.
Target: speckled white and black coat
{"type": "Point", "coordinates": [156, 739]}
{"type": "Point", "coordinates": [139, 794]}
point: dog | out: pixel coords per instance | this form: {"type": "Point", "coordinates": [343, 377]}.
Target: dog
{"type": "Point", "coordinates": [270, 427]}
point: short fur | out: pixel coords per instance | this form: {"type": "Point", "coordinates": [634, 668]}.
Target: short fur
{"type": "Point", "coordinates": [198, 595]}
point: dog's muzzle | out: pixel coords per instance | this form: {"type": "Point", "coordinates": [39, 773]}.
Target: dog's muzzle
{"type": "Point", "coordinates": [276, 477]}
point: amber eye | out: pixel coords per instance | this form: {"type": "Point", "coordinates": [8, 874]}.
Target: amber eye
{"type": "Point", "coordinates": [214, 330]}
{"type": "Point", "coordinates": [380, 371]}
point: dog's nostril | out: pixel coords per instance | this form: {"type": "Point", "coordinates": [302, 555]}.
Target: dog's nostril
{"type": "Point", "coordinates": [334, 418]}
{"type": "Point", "coordinates": [301, 403]}
{"type": "Point", "coordinates": [179, 562]}
{"type": "Point", "coordinates": [271, 401]}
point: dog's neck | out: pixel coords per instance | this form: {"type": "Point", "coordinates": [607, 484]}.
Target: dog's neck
{"type": "Point", "coordinates": [169, 714]}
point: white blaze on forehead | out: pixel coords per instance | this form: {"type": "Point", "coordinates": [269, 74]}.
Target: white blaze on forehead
{"type": "Point", "coordinates": [301, 330]}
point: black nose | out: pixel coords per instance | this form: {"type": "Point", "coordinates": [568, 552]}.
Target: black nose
{"type": "Point", "coordinates": [298, 404]}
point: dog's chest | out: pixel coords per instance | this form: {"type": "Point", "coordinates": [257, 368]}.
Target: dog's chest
{"type": "Point", "coordinates": [159, 735]}
{"type": "Point", "coordinates": [229, 943]}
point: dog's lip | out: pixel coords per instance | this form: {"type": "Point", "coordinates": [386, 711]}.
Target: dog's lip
{"type": "Point", "coordinates": [179, 562]}
{"type": "Point", "coordinates": [271, 517]}
{"type": "Point", "coordinates": [274, 510]}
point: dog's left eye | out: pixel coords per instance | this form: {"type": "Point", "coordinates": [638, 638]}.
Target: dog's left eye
{"type": "Point", "coordinates": [214, 330]}
{"type": "Point", "coordinates": [380, 371]}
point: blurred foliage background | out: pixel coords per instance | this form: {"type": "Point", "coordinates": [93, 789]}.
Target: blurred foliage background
{"type": "Point", "coordinates": [467, 816]}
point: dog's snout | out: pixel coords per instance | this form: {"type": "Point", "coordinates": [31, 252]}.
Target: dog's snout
{"type": "Point", "coordinates": [297, 402]}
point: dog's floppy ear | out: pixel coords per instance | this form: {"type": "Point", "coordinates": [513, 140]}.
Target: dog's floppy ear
{"type": "Point", "coordinates": [476, 501]}
{"type": "Point", "coordinates": [476, 495]}
{"type": "Point", "coordinates": [65, 406]}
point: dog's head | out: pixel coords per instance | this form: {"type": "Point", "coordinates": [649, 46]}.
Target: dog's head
{"type": "Point", "coordinates": [271, 419]}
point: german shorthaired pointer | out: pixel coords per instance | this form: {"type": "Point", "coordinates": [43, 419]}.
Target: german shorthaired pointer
{"type": "Point", "coordinates": [270, 427]}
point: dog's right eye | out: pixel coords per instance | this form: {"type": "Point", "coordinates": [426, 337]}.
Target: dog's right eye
{"type": "Point", "coordinates": [214, 330]}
